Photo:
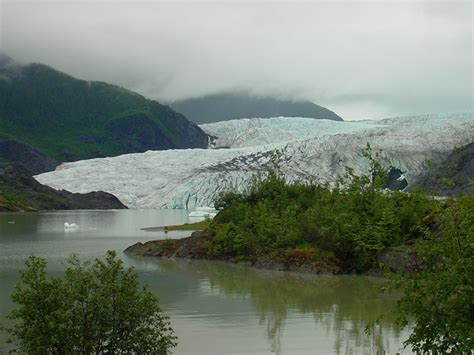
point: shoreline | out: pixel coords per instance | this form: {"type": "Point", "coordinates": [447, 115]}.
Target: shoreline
{"type": "Point", "coordinates": [197, 226]}
{"type": "Point", "coordinates": [195, 247]}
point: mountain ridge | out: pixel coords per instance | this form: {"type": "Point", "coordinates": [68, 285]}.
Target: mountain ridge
{"type": "Point", "coordinates": [233, 105]}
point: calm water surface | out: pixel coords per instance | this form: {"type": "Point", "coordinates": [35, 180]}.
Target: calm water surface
{"type": "Point", "coordinates": [214, 308]}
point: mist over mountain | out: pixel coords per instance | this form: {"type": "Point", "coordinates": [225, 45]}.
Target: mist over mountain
{"type": "Point", "coordinates": [58, 116]}
{"type": "Point", "coordinates": [226, 106]}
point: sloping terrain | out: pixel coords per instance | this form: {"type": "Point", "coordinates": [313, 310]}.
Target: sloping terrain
{"type": "Point", "coordinates": [453, 175]}
{"type": "Point", "coordinates": [20, 192]}
{"type": "Point", "coordinates": [25, 157]}
{"type": "Point", "coordinates": [320, 152]}
{"type": "Point", "coordinates": [226, 106]}
{"type": "Point", "coordinates": [69, 119]}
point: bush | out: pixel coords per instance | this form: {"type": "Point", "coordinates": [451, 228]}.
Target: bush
{"type": "Point", "coordinates": [95, 308]}
{"type": "Point", "coordinates": [439, 295]}
{"type": "Point", "coordinates": [354, 221]}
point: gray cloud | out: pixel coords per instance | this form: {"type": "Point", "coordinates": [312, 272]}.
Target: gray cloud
{"type": "Point", "coordinates": [361, 59]}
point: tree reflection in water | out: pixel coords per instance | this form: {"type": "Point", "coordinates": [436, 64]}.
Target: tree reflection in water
{"type": "Point", "coordinates": [342, 305]}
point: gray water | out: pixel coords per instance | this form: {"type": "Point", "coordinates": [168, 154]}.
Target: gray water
{"type": "Point", "coordinates": [215, 308]}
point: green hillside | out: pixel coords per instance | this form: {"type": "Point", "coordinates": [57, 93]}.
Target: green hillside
{"type": "Point", "coordinates": [71, 119]}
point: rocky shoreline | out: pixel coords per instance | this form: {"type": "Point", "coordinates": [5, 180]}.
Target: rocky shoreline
{"type": "Point", "coordinates": [397, 259]}
{"type": "Point", "coordinates": [196, 246]}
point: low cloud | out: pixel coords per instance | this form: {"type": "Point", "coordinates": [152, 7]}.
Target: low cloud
{"type": "Point", "coordinates": [361, 59]}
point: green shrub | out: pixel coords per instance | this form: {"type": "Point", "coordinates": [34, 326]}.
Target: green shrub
{"type": "Point", "coordinates": [354, 221]}
{"type": "Point", "coordinates": [95, 308]}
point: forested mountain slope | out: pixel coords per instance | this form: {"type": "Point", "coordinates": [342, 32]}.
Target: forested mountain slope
{"type": "Point", "coordinates": [70, 119]}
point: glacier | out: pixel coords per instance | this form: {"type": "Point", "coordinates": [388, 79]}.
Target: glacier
{"type": "Point", "coordinates": [318, 150]}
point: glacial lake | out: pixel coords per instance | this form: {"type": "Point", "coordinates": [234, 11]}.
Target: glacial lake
{"type": "Point", "coordinates": [215, 308]}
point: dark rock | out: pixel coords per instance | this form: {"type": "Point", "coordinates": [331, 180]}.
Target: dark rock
{"type": "Point", "coordinates": [191, 135]}
{"type": "Point", "coordinates": [193, 247]}
{"type": "Point", "coordinates": [398, 259]}
{"type": "Point", "coordinates": [25, 157]}
{"type": "Point", "coordinates": [68, 155]}
{"type": "Point", "coordinates": [452, 175]}
{"type": "Point", "coordinates": [19, 191]}
{"type": "Point", "coordinates": [395, 180]}
{"type": "Point", "coordinates": [197, 247]}
{"type": "Point", "coordinates": [138, 133]}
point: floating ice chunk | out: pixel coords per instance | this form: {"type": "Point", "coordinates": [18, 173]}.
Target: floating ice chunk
{"type": "Point", "coordinates": [202, 214]}
{"type": "Point", "coordinates": [70, 227]}
{"type": "Point", "coordinates": [206, 209]}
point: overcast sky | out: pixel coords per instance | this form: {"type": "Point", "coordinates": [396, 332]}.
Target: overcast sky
{"type": "Point", "coordinates": [369, 59]}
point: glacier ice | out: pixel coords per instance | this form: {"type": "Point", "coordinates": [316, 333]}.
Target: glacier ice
{"type": "Point", "coordinates": [308, 149]}
{"type": "Point", "coordinates": [249, 132]}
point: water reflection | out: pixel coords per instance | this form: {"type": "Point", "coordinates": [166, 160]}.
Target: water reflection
{"type": "Point", "coordinates": [215, 308]}
{"type": "Point", "coordinates": [341, 305]}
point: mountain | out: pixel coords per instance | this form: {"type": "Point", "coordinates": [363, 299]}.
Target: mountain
{"type": "Point", "coordinates": [68, 119]}
{"type": "Point", "coordinates": [20, 192]}
{"type": "Point", "coordinates": [221, 107]}
{"type": "Point", "coordinates": [304, 148]}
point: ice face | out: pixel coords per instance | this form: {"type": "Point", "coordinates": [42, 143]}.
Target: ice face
{"type": "Point", "coordinates": [308, 149]}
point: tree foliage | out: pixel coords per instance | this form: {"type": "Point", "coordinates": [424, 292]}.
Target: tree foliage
{"type": "Point", "coordinates": [353, 221]}
{"type": "Point", "coordinates": [439, 295]}
{"type": "Point", "coordinates": [95, 308]}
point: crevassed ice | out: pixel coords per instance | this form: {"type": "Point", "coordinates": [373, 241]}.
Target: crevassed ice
{"type": "Point", "coordinates": [309, 148]}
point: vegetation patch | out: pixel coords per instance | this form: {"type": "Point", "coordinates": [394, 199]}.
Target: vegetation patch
{"type": "Point", "coordinates": [350, 223]}
{"type": "Point", "coordinates": [95, 308]}
{"type": "Point", "coordinates": [198, 226]}
{"type": "Point", "coordinates": [70, 119]}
